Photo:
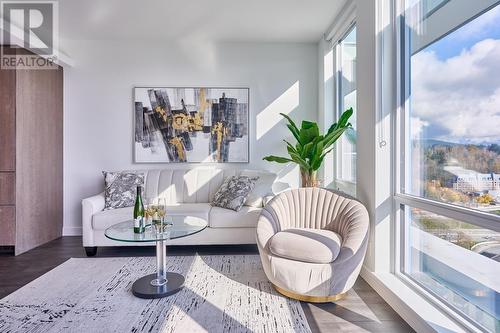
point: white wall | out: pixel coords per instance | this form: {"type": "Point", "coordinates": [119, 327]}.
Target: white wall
{"type": "Point", "coordinates": [98, 101]}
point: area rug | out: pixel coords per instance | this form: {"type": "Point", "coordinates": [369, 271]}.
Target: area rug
{"type": "Point", "coordinates": [225, 293]}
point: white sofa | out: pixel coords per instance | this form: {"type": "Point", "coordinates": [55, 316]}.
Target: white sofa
{"type": "Point", "coordinates": [187, 191]}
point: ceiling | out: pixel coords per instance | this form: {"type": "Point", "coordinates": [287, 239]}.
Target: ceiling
{"type": "Point", "coordinates": [217, 20]}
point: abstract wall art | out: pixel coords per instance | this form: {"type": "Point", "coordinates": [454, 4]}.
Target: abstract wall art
{"type": "Point", "coordinates": [182, 125]}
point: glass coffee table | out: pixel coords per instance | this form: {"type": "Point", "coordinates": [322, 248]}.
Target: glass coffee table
{"type": "Point", "coordinates": [161, 283]}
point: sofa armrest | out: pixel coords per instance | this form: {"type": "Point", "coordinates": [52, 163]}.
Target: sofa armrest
{"type": "Point", "coordinates": [266, 228]}
{"type": "Point", "coordinates": [90, 206]}
{"type": "Point", "coordinates": [267, 198]}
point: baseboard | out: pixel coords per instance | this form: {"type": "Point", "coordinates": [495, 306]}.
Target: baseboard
{"type": "Point", "coordinates": [72, 231]}
{"type": "Point", "coordinates": [7, 249]}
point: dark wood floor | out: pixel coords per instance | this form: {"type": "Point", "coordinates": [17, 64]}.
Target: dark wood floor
{"type": "Point", "coordinates": [362, 311]}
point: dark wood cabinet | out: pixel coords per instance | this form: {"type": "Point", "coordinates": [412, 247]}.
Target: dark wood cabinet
{"type": "Point", "coordinates": [8, 186]}
{"type": "Point", "coordinates": [31, 152]}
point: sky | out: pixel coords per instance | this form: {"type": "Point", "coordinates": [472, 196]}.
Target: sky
{"type": "Point", "coordinates": [455, 87]}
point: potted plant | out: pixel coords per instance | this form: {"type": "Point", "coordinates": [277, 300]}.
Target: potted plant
{"type": "Point", "coordinates": [311, 147]}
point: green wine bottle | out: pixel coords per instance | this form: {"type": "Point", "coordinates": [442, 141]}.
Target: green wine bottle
{"type": "Point", "coordinates": [139, 213]}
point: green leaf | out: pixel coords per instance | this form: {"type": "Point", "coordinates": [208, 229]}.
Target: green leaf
{"type": "Point", "coordinates": [326, 152]}
{"type": "Point", "coordinates": [316, 144]}
{"type": "Point", "coordinates": [294, 131]}
{"type": "Point", "coordinates": [300, 161]}
{"type": "Point", "coordinates": [342, 121]}
{"type": "Point", "coordinates": [332, 137]}
{"type": "Point", "coordinates": [344, 118]}
{"type": "Point", "coordinates": [292, 127]}
{"type": "Point", "coordinates": [290, 121]}
{"type": "Point", "coordinates": [316, 154]}
{"type": "Point", "coordinates": [308, 132]}
{"type": "Point", "coordinates": [277, 159]}
{"type": "Point", "coordinates": [332, 128]}
{"type": "Point", "coordinates": [308, 124]}
{"type": "Point", "coordinates": [317, 163]}
{"type": "Point", "coordinates": [319, 149]}
{"type": "Point", "coordinates": [290, 146]}
{"type": "Point", "coordinates": [299, 147]}
{"type": "Point", "coordinates": [307, 150]}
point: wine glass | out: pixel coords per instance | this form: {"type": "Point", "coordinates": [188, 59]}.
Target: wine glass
{"type": "Point", "coordinates": [150, 207]}
{"type": "Point", "coordinates": [149, 204]}
{"type": "Point", "coordinates": [158, 210]}
{"type": "Point", "coordinates": [158, 214]}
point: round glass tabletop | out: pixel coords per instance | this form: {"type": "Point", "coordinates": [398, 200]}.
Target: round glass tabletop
{"type": "Point", "coordinates": [175, 227]}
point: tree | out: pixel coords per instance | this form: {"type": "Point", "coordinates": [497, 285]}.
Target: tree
{"type": "Point", "coordinates": [485, 199]}
{"type": "Point", "coordinates": [494, 148]}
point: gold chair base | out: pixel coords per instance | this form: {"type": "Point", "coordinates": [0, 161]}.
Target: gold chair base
{"type": "Point", "coordinates": [309, 299]}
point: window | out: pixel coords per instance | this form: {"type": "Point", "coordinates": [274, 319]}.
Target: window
{"type": "Point", "coordinates": [456, 261]}
{"type": "Point", "coordinates": [346, 98]}
{"type": "Point", "coordinates": [449, 189]}
{"type": "Point", "coordinates": [454, 118]}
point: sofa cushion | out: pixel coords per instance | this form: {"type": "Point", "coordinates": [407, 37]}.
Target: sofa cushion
{"type": "Point", "coordinates": [246, 217]}
{"type": "Point", "coordinates": [106, 218]}
{"type": "Point", "coordinates": [200, 210]}
{"type": "Point", "coordinates": [233, 193]}
{"type": "Point", "coordinates": [263, 187]}
{"type": "Point", "coordinates": [121, 188]}
{"type": "Point", "coordinates": [308, 245]}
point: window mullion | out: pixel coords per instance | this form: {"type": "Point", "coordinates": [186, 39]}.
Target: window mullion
{"type": "Point", "coordinates": [465, 214]}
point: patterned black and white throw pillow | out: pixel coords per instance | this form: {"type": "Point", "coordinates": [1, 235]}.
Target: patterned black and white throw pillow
{"type": "Point", "coordinates": [121, 188]}
{"type": "Point", "coordinates": [234, 192]}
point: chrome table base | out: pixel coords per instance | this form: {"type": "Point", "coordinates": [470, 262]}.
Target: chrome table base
{"type": "Point", "coordinates": [161, 283]}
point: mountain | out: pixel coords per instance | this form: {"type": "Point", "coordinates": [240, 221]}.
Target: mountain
{"type": "Point", "coordinates": [427, 143]}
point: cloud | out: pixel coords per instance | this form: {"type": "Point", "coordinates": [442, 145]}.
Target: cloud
{"type": "Point", "coordinates": [417, 127]}
{"type": "Point", "coordinates": [460, 94]}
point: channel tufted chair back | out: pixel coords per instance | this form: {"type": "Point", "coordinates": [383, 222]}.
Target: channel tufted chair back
{"type": "Point", "coordinates": [314, 208]}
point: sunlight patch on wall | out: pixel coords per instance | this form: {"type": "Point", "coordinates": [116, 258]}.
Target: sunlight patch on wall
{"type": "Point", "coordinates": [329, 169]}
{"type": "Point", "coordinates": [328, 66]}
{"type": "Point", "coordinates": [270, 116]}
{"type": "Point", "coordinates": [289, 176]}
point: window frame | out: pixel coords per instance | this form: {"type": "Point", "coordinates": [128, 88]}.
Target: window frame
{"type": "Point", "coordinates": [481, 218]}
{"type": "Point", "coordinates": [401, 162]}
{"type": "Point", "coordinates": [338, 103]}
